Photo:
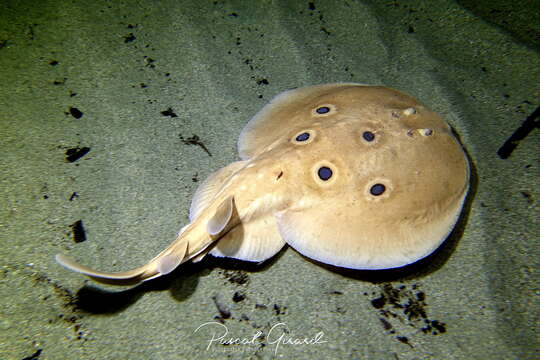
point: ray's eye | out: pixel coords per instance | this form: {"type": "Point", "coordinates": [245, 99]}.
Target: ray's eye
{"type": "Point", "coordinates": [368, 136]}
{"type": "Point", "coordinates": [377, 189]}
{"type": "Point", "coordinates": [324, 173]}
{"type": "Point", "coordinates": [323, 110]}
{"type": "Point", "coordinates": [302, 137]}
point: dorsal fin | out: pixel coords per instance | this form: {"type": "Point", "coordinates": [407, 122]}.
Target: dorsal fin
{"type": "Point", "coordinates": [210, 187]}
{"type": "Point", "coordinates": [221, 217]}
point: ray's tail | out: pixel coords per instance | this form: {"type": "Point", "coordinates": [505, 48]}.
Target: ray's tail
{"type": "Point", "coordinates": [162, 264]}
{"type": "Point", "coordinates": [192, 242]}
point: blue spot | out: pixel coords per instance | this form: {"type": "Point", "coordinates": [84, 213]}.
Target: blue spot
{"type": "Point", "coordinates": [302, 137]}
{"type": "Point", "coordinates": [368, 136]}
{"type": "Point", "coordinates": [323, 110]}
{"type": "Point", "coordinates": [377, 189]}
{"type": "Point", "coordinates": [325, 173]}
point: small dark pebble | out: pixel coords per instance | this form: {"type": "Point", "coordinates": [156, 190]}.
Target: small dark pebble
{"type": "Point", "coordinates": [79, 235]}
{"type": "Point", "coordinates": [237, 297]}
{"type": "Point", "coordinates": [169, 112]}
{"type": "Point", "coordinates": [379, 302]}
{"type": "Point", "coordinates": [76, 113]}
{"type": "Point", "coordinates": [414, 310]}
{"type": "Point", "coordinates": [404, 340]}
{"type": "Point", "coordinates": [434, 326]}
{"type": "Point", "coordinates": [279, 310]}
{"type": "Point", "coordinates": [129, 38]}
{"type": "Point", "coordinates": [75, 154]}
{"type": "Point", "coordinates": [34, 356]}
{"type": "Point", "coordinates": [60, 82]}
{"type": "Point", "coordinates": [386, 324]}
{"type": "Point", "coordinates": [441, 327]}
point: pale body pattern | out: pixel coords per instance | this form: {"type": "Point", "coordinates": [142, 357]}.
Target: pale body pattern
{"type": "Point", "coordinates": [356, 176]}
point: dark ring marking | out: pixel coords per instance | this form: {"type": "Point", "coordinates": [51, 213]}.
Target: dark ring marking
{"type": "Point", "coordinates": [323, 110]}
{"type": "Point", "coordinates": [368, 136]}
{"type": "Point", "coordinates": [324, 173]}
{"type": "Point", "coordinates": [377, 189]}
{"type": "Point", "coordinates": [302, 137]}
